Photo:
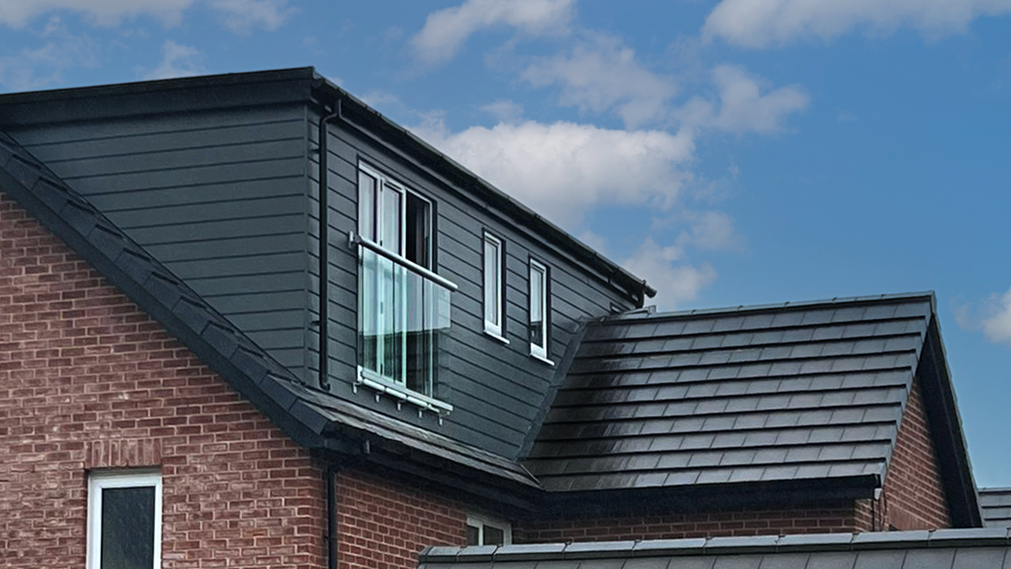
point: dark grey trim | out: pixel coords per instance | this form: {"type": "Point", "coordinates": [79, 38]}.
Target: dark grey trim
{"type": "Point", "coordinates": [939, 549]}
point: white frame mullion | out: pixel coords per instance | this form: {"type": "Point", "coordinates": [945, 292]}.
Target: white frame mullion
{"type": "Point", "coordinates": [97, 483]}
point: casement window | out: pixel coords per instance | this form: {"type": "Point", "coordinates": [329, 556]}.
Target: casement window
{"type": "Point", "coordinates": [124, 520]}
{"type": "Point", "coordinates": [402, 303]}
{"type": "Point", "coordinates": [493, 286]}
{"type": "Point", "coordinates": [539, 324]}
{"type": "Point", "coordinates": [486, 531]}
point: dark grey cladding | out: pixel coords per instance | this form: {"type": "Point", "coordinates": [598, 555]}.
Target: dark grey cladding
{"type": "Point", "coordinates": [765, 394]}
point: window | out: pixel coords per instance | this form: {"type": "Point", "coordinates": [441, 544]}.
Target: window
{"type": "Point", "coordinates": [124, 520]}
{"type": "Point", "coordinates": [486, 531]}
{"type": "Point", "coordinates": [493, 299]}
{"type": "Point", "coordinates": [401, 302]}
{"type": "Point", "coordinates": [539, 324]}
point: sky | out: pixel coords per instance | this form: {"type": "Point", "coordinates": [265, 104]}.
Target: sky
{"type": "Point", "coordinates": [731, 152]}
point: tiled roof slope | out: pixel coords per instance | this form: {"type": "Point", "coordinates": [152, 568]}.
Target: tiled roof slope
{"type": "Point", "coordinates": [764, 394]}
{"type": "Point", "coordinates": [222, 347]}
{"type": "Point", "coordinates": [940, 549]}
{"type": "Point", "coordinates": [995, 504]}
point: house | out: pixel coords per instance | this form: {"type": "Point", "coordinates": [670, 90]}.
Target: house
{"type": "Point", "coordinates": [172, 386]}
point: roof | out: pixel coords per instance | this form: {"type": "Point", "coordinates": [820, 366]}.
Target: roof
{"type": "Point", "coordinates": [745, 395]}
{"type": "Point", "coordinates": [939, 549]}
{"type": "Point", "coordinates": [809, 393]}
{"type": "Point", "coordinates": [302, 84]}
{"type": "Point", "coordinates": [995, 504]}
{"type": "Point", "coordinates": [294, 407]}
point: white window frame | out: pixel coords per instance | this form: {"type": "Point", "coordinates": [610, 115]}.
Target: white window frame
{"type": "Point", "coordinates": [97, 483]}
{"type": "Point", "coordinates": [496, 302]}
{"type": "Point", "coordinates": [539, 351]}
{"type": "Point", "coordinates": [478, 521]}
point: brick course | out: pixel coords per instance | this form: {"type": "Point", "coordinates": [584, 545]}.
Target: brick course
{"type": "Point", "coordinates": [382, 523]}
{"type": "Point", "coordinates": [913, 495]}
{"type": "Point", "coordinates": [87, 381]}
{"type": "Point", "coordinates": [829, 518]}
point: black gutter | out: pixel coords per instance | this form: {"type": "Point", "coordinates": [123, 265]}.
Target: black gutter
{"type": "Point", "coordinates": [324, 247]}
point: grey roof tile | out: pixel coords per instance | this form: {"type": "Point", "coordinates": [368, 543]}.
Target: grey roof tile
{"type": "Point", "coordinates": [811, 390]}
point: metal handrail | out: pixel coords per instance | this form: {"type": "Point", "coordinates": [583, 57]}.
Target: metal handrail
{"type": "Point", "coordinates": [356, 239]}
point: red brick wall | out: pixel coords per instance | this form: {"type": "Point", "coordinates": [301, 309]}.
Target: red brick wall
{"type": "Point", "coordinates": [87, 381]}
{"type": "Point", "coordinates": [834, 518]}
{"type": "Point", "coordinates": [383, 524]}
{"type": "Point", "coordinates": [913, 495]}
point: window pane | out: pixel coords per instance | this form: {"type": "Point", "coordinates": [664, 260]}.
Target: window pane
{"type": "Point", "coordinates": [537, 305]}
{"type": "Point", "coordinates": [128, 528]}
{"type": "Point", "coordinates": [473, 535]}
{"type": "Point", "coordinates": [366, 206]}
{"type": "Point", "coordinates": [492, 261]}
{"type": "Point", "coordinates": [493, 536]}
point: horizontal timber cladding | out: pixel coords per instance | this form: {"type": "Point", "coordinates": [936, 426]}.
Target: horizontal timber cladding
{"type": "Point", "coordinates": [217, 196]}
{"type": "Point", "coordinates": [496, 389]}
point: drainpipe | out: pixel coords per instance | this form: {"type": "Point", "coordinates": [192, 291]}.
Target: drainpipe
{"type": "Point", "coordinates": [330, 479]}
{"type": "Point", "coordinates": [324, 248]}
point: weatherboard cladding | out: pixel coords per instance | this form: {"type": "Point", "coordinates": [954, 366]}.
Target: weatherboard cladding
{"type": "Point", "coordinates": [247, 367]}
{"type": "Point", "coordinates": [941, 549]}
{"type": "Point", "coordinates": [995, 504]}
{"type": "Point", "coordinates": [496, 389]}
{"type": "Point", "coordinates": [755, 395]}
{"type": "Point", "coordinates": [217, 196]}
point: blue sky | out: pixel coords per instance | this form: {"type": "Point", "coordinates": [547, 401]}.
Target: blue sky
{"type": "Point", "coordinates": [731, 152]}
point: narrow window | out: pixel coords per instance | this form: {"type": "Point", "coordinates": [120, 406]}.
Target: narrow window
{"type": "Point", "coordinates": [485, 531]}
{"type": "Point", "coordinates": [493, 285]}
{"type": "Point", "coordinates": [124, 520]}
{"type": "Point", "coordinates": [538, 310]}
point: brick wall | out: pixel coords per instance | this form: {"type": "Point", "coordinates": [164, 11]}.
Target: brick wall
{"type": "Point", "coordinates": [88, 381]}
{"type": "Point", "coordinates": [384, 524]}
{"type": "Point", "coordinates": [913, 497]}
{"type": "Point", "coordinates": [832, 518]}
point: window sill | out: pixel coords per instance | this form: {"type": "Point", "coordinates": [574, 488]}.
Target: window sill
{"type": "Point", "coordinates": [542, 359]}
{"type": "Point", "coordinates": [401, 393]}
{"type": "Point", "coordinates": [495, 336]}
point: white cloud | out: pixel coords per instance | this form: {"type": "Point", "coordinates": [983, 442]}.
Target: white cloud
{"type": "Point", "coordinates": [242, 16]}
{"type": "Point", "coordinates": [997, 326]}
{"type": "Point", "coordinates": [674, 283]}
{"type": "Point", "coordinates": [446, 30]}
{"type": "Point", "coordinates": [177, 61]}
{"type": "Point", "coordinates": [505, 111]}
{"type": "Point", "coordinates": [62, 51]}
{"type": "Point", "coordinates": [761, 23]}
{"type": "Point", "coordinates": [17, 13]}
{"type": "Point", "coordinates": [601, 74]}
{"type": "Point", "coordinates": [563, 169]}
{"type": "Point", "coordinates": [710, 231]}
{"type": "Point", "coordinates": [743, 107]}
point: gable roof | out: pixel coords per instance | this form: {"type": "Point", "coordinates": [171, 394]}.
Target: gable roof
{"type": "Point", "coordinates": [995, 504]}
{"type": "Point", "coordinates": [294, 407]}
{"type": "Point", "coordinates": [721, 398]}
{"type": "Point", "coordinates": [940, 549]}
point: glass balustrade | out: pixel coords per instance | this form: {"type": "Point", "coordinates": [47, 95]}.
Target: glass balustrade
{"type": "Point", "coordinates": [402, 310]}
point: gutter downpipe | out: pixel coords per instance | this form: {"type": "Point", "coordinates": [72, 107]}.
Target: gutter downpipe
{"type": "Point", "coordinates": [330, 475]}
{"type": "Point", "coordinates": [324, 247]}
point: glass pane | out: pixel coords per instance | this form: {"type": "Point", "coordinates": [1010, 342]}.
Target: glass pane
{"type": "Point", "coordinates": [366, 206]}
{"type": "Point", "coordinates": [400, 314]}
{"type": "Point", "coordinates": [491, 282]}
{"type": "Point", "coordinates": [473, 535]}
{"type": "Point", "coordinates": [391, 219]}
{"type": "Point", "coordinates": [128, 528]}
{"type": "Point", "coordinates": [493, 536]}
{"type": "Point", "coordinates": [536, 306]}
